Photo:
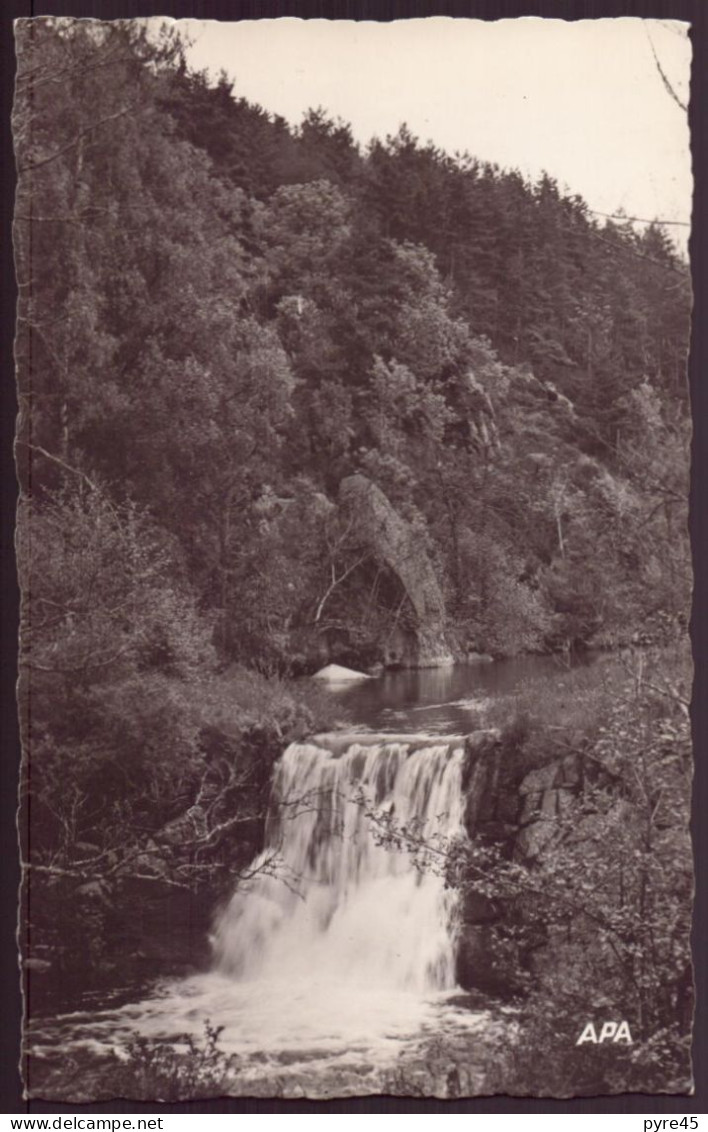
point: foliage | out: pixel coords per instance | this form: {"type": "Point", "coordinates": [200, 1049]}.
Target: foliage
{"type": "Point", "coordinates": [146, 766]}
{"type": "Point", "coordinates": [220, 318]}
{"type": "Point", "coordinates": [612, 891]}
{"type": "Point", "coordinates": [182, 1069]}
{"type": "Point", "coordinates": [286, 310]}
{"type": "Point", "coordinates": [593, 896]}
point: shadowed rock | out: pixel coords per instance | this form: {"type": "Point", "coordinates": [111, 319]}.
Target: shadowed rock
{"type": "Point", "coordinates": [391, 539]}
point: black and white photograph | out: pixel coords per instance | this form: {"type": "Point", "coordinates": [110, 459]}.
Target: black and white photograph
{"type": "Point", "coordinates": [354, 452]}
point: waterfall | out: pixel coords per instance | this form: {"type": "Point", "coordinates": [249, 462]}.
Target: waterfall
{"type": "Point", "coordinates": [343, 908]}
{"type": "Point", "coordinates": [337, 967]}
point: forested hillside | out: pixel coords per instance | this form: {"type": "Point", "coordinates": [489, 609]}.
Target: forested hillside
{"type": "Point", "coordinates": [224, 317]}
{"type": "Point", "coordinates": [221, 319]}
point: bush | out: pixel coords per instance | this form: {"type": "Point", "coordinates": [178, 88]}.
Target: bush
{"type": "Point", "coordinates": [603, 909]}
{"type": "Point", "coordinates": [182, 1070]}
{"type": "Point", "coordinates": [147, 768]}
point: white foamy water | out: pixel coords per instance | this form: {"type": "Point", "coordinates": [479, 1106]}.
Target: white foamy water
{"type": "Point", "coordinates": [348, 954]}
{"type": "Point", "coordinates": [355, 912]}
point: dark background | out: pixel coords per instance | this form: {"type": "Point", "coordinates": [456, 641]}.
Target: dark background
{"type": "Point", "coordinates": [694, 11]}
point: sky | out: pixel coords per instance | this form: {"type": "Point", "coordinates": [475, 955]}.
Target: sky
{"type": "Point", "coordinates": [583, 101]}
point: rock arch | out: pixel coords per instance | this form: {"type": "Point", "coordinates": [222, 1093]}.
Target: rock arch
{"type": "Point", "coordinates": [378, 525]}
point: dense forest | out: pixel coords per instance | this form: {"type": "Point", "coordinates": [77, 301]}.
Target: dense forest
{"type": "Point", "coordinates": [224, 319]}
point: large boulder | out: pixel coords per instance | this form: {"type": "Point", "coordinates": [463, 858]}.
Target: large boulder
{"type": "Point", "coordinates": [337, 674]}
{"type": "Point", "coordinates": [378, 524]}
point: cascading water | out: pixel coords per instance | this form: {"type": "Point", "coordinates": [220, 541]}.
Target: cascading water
{"type": "Point", "coordinates": [353, 910]}
{"type": "Point", "coordinates": [335, 964]}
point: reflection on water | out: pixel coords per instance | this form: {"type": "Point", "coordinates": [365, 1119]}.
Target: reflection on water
{"type": "Point", "coordinates": [449, 700]}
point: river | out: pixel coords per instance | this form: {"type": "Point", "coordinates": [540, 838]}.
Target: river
{"type": "Point", "coordinates": [457, 698]}
{"type": "Point", "coordinates": [332, 971]}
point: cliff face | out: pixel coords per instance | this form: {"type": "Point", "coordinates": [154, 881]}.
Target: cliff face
{"type": "Point", "coordinates": [516, 816]}
{"type": "Point", "coordinates": [378, 525]}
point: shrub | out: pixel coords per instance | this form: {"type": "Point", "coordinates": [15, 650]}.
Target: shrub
{"type": "Point", "coordinates": [182, 1069]}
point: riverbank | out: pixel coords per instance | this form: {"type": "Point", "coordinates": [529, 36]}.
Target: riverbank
{"type": "Point", "coordinates": [531, 925]}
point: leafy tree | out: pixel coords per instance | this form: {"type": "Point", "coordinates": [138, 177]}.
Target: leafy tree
{"type": "Point", "coordinates": [220, 317]}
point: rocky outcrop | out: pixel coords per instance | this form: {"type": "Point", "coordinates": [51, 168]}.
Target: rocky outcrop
{"type": "Point", "coordinates": [378, 525]}
{"type": "Point", "coordinates": [544, 795]}
{"type": "Point", "coordinates": [516, 815]}
{"type": "Point", "coordinates": [491, 816]}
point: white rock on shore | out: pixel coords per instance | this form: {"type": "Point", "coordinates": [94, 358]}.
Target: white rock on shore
{"type": "Point", "coordinates": [336, 674]}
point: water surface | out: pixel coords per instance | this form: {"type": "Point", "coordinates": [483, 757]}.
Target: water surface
{"type": "Point", "coordinates": [450, 700]}
{"type": "Point", "coordinates": [340, 971]}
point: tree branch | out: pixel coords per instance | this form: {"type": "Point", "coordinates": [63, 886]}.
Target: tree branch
{"type": "Point", "coordinates": [34, 165]}
{"type": "Point", "coordinates": [61, 463]}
